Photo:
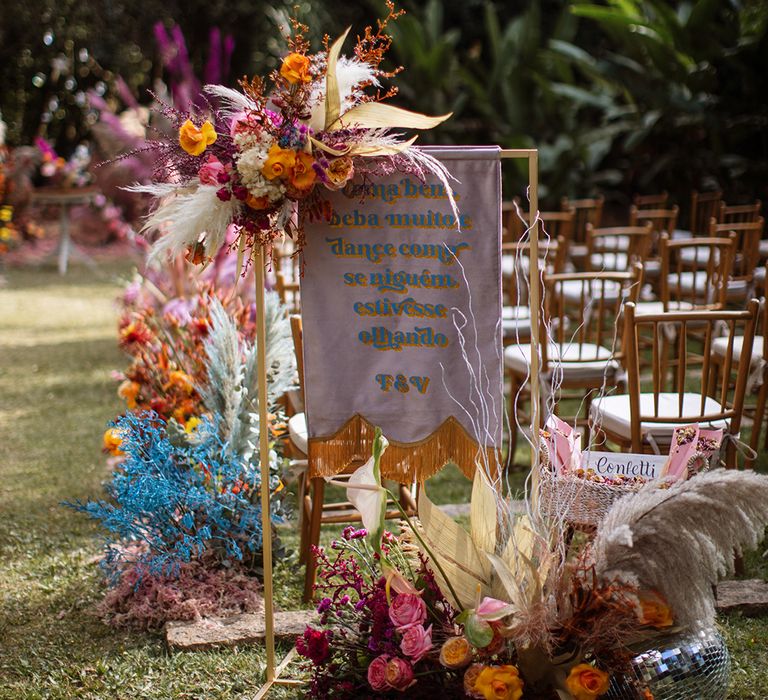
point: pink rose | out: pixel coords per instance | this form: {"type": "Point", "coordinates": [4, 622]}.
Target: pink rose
{"type": "Point", "coordinates": [211, 170]}
{"type": "Point", "coordinates": [399, 674]}
{"type": "Point", "coordinates": [416, 642]}
{"type": "Point", "coordinates": [377, 672]}
{"type": "Point", "coordinates": [407, 610]}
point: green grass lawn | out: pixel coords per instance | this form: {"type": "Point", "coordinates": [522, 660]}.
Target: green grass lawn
{"type": "Point", "coordinates": [57, 349]}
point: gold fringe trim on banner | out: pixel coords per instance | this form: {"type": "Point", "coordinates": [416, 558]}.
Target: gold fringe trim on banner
{"type": "Point", "coordinates": [403, 462]}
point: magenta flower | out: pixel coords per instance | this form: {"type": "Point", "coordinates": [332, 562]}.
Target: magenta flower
{"type": "Point", "coordinates": [313, 644]}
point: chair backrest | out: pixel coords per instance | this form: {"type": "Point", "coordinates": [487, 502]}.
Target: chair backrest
{"type": "Point", "coordinates": [586, 308]}
{"type": "Point", "coordinates": [554, 224]}
{"type": "Point", "coordinates": [651, 201]}
{"type": "Point", "coordinates": [289, 292]}
{"type": "Point", "coordinates": [705, 395]}
{"type": "Point", "coordinates": [704, 205]}
{"type": "Point", "coordinates": [739, 213]}
{"type": "Point", "coordinates": [633, 242]}
{"type": "Point", "coordinates": [661, 220]}
{"type": "Point", "coordinates": [695, 272]}
{"type": "Point", "coordinates": [552, 256]}
{"type": "Point", "coordinates": [747, 246]}
{"type": "Point", "coordinates": [586, 211]}
{"type": "Point", "coordinates": [297, 333]}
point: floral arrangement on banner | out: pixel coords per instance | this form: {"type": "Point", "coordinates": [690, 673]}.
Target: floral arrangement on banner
{"type": "Point", "coordinates": [513, 608]}
{"type": "Point", "coordinates": [56, 171]}
{"type": "Point", "coordinates": [307, 128]}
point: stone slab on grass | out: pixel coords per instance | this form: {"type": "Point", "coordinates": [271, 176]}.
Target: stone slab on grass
{"type": "Point", "coordinates": [247, 628]}
{"type": "Point", "coordinates": [748, 597]}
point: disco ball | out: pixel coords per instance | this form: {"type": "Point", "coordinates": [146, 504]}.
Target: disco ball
{"type": "Point", "coordinates": [686, 666]}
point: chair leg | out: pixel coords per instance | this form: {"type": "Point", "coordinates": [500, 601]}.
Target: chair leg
{"type": "Point", "coordinates": [313, 538]}
{"type": "Point", "coordinates": [303, 519]}
{"type": "Point", "coordinates": [513, 388]}
{"type": "Point", "coordinates": [757, 425]}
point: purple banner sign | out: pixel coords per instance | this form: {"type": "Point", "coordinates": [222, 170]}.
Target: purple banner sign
{"type": "Point", "coordinates": [388, 283]}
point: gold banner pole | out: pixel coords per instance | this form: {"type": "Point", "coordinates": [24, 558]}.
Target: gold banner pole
{"type": "Point", "coordinates": [534, 299]}
{"type": "Point", "coordinates": [266, 522]}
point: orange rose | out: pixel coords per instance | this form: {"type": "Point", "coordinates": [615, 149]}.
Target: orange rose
{"type": "Point", "coordinates": [295, 68]}
{"type": "Point", "coordinates": [456, 652]}
{"type": "Point", "coordinates": [279, 163]}
{"type": "Point", "coordinates": [112, 442]}
{"type": "Point", "coordinates": [257, 202]}
{"type": "Point", "coordinates": [128, 391]}
{"type": "Point", "coordinates": [585, 682]}
{"type": "Point", "coordinates": [655, 611]}
{"type": "Point", "coordinates": [193, 140]}
{"type": "Point", "coordinates": [303, 174]}
{"type": "Point", "coordinates": [499, 683]}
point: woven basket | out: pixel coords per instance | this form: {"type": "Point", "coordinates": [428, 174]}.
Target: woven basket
{"type": "Point", "coordinates": [579, 502]}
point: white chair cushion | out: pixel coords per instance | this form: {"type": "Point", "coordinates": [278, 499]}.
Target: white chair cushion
{"type": "Point", "coordinates": [680, 233]}
{"type": "Point", "coordinates": [608, 261]}
{"type": "Point", "coordinates": [572, 290]}
{"type": "Point", "coordinates": [657, 307]}
{"type": "Point", "coordinates": [516, 321]}
{"type": "Point", "coordinates": [518, 359]}
{"type": "Point", "coordinates": [613, 413]}
{"type": "Point", "coordinates": [297, 429]}
{"type": "Point", "coordinates": [512, 265]}
{"type": "Point", "coordinates": [720, 347]}
{"type": "Point", "coordinates": [698, 254]}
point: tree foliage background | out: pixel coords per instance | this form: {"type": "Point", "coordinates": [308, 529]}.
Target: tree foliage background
{"type": "Point", "coordinates": [620, 95]}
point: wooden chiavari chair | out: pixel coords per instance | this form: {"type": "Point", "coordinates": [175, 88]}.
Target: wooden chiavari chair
{"type": "Point", "coordinates": [586, 211]}
{"type": "Point", "coordinates": [289, 292]}
{"type": "Point", "coordinates": [617, 247]}
{"type": "Point", "coordinates": [745, 258]}
{"type": "Point", "coordinates": [644, 419]}
{"type": "Point", "coordinates": [651, 201]}
{"type": "Point", "coordinates": [584, 352]}
{"type": "Point", "coordinates": [704, 206]}
{"type": "Point", "coordinates": [739, 213]}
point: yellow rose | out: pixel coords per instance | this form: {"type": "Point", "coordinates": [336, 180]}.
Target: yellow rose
{"type": "Point", "coordinates": [193, 140]}
{"type": "Point", "coordinates": [499, 683]}
{"type": "Point", "coordinates": [585, 682]}
{"type": "Point", "coordinates": [303, 174]}
{"type": "Point", "coordinates": [279, 163]}
{"type": "Point", "coordinates": [6, 213]}
{"type": "Point", "coordinates": [456, 652]}
{"type": "Point", "coordinates": [655, 611]}
{"type": "Point", "coordinates": [295, 68]}
{"type": "Point", "coordinates": [112, 442]}
{"type": "Point", "coordinates": [128, 391]}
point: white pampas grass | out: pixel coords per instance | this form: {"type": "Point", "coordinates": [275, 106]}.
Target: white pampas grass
{"type": "Point", "coordinates": [230, 101]}
{"type": "Point", "coordinates": [678, 541]}
{"type": "Point", "coordinates": [351, 74]}
{"type": "Point", "coordinates": [186, 213]}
